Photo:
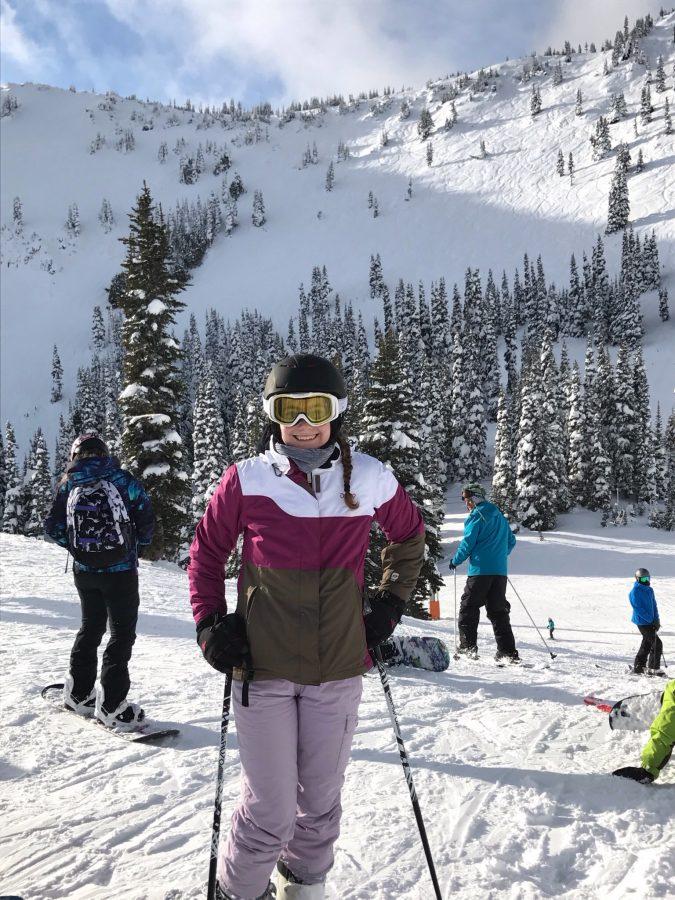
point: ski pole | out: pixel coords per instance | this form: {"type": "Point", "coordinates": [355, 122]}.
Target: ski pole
{"type": "Point", "coordinates": [543, 639]}
{"type": "Point", "coordinates": [406, 771]}
{"type": "Point", "coordinates": [456, 656]}
{"type": "Point", "coordinates": [215, 833]}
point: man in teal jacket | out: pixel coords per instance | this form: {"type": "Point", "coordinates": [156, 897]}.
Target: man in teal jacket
{"type": "Point", "coordinates": [487, 542]}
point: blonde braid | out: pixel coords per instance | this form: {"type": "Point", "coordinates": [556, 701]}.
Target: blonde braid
{"type": "Point", "coordinates": [346, 454]}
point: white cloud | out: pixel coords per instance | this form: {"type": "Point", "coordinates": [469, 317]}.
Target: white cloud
{"type": "Point", "coordinates": [592, 20]}
{"type": "Point", "coordinates": [15, 44]}
{"type": "Point", "coordinates": [310, 46]}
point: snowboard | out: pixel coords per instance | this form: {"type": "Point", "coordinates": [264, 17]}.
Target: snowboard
{"type": "Point", "coordinates": [428, 653]}
{"type": "Point", "coordinates": [144, 733]}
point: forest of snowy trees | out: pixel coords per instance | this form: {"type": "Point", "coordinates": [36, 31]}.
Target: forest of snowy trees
{"type": "Point", "coordinates": [439, 370]}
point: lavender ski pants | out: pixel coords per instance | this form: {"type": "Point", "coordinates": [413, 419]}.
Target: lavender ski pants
{"type": "Point", "coordinates": [294, 743]}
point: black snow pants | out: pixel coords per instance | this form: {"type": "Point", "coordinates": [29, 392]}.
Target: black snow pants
{"type": "Point", "coordinates": [106, 598]}
{"type": "Point", "coordinates": [650, 647]}
{"type": "Point", "coordinates": [488, 591]}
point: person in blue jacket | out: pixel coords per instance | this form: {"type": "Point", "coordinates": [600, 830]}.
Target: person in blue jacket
{"type": "Point", "coordinates": [646, 617]}
{"type": "Point", "coordinates": [102, 514]}
{"type": "Point", "coordinates": [487, 542]}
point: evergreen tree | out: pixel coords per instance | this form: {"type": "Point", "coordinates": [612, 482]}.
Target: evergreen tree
{"type": "Point", "coordinates": [625, 425]}
{"type": "Point", "coordinates": [570, 167]}
{"type": "Point", "coordinates": [40, 489]}
{"type": "Point", "coordinates": [644, 461]}
{"type": "Point", "coordinates": [330, 177]}
{"type": "Point", "coordinates": [660, 75]}
{"type": "Point", "coordinates": [258, 215]}
{"type": "Point", "coordinates": [73, 220]}
{"type": "Point", "coordinates": [503, 477]}
{"type": "Point", "coordinates": [12, 512]}
{"type": "Point", "coordinates": [640, 164]}
{"type": "Point", "coordinates": [667, 118]}
{"type": "Point", "coordinates": [430, 153]}
{"type": "Point", "coordinates": [106, 217]}
{"type": "Point", "coordinates": [578, 107]}
{"type": "Point", "coordinates": [535, 101]}
{"type": "Point", "coordinates": [425, 125]}
{"type": "Point", "coordinates": [660, 458]}
{"type": "Point", "coordinates": [97, 330]}
{"type": "Point", "coordinates": [209, 441]}
{"type": "Point", "coordinates": [619, 205]}
{"type": "Point", "coordinates": [646, 108]}
{"type": "Point", "coordinates": [536, 506]}
{"type": "Point", "coordinates": [664, 313]}
{"type": "Point", "coordinates": [17, 215]}
{"type": "Point", "coordinates": [151, 446]}
{"type": "Point", "coordinates": [236, 187]}
{"type": "Point", "coordinates": [577, 473]}
{"type": "Point", "coordinates": [389, 434]}
{"type": "Point", "coordinates": [600, 139]}
{"type": "Point", "coordinates": [375, 278]}
{"type": "Point", "coordinates": [560, 164]}
{"type": "Point", "coordinates": [57, 377]}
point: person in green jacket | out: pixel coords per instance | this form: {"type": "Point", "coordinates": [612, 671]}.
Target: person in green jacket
{"type": "Point", "coordinates": [659, 747]}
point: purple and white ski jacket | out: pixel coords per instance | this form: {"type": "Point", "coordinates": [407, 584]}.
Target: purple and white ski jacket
{"type": "Point", "coordinates": [300, 586]}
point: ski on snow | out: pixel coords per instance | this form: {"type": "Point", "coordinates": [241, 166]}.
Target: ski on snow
{"type": "Point", "coordinates": [144, 733]}
{"type": "Point", "coordinates": [635, 713]}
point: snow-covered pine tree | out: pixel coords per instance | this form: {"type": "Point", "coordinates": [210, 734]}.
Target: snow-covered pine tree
{"type": "Point", "coordinates": [57, 377]}
{"type": "Point", "coordinates": [425, 125]}
{"type": "Point", "coordinates": [660, 458]}
{"type": "Point", "coordinates": [330, 177]}
{"type": "Point", "coordinates": [570, 167]}
{"type": "Point", "coordinates": [664, 312]}
{"type": "Point", "coordinates": [667, 118]}
{"type": "Point", "coordinates": [554, 464]}
{"type": "Point", "coordinates": [646, 108]}
{"type": "Point", "coordinates": [98, 335]}
{"type": "Point", "coordinates": [619, 204]}
{"type": "Point", "coordinates": [12, 512]}
{"type": "Point", "coordinates": [389, 433]}
{"type": "Point", "coordinates": [151, 446]}
{"type": "Point", "coordinates": [258, 215]}
{"type": "Point", "coordinates": [375, 277]}
{"type": "Point", "coordinates": [577, 475]}
{"type": "Point", "coordinates": [236, 187]}
{"type": "Point", "coordinates": [536, 506]}
{"type": "Point", "coordinates": [560, 164]}
{"type": "Point", "coordinates": [535, 101]}
{"type": "Point", "coordinates": [40, 489]}
{"type": "Point", "coordinates": [578, 106]}
{"type": "Point", "coordinates": [105, 216]}
{"type": "Point", "coordinates": [17, 215]}
{"type": "Point", "coordinates": [644, 461]}
{"type": "Point", "coordinates": [73, 221]}
{"type": "Point", "coordinates": [209, 442]}
{"type": "Point", "coordinates": [600, 139]}
{"type": "Point", "coordinates": [624, 425]}
{"type": "Point", "coordinates": [504, 470]}
{"type": "Point", "coordinates": [660, 86]}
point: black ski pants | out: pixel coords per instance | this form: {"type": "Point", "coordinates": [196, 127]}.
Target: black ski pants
{"type": "Point", "coordinates": [107, 598]}
{"type": "Point", "coordinates": [488, 591]}
{"type": "Point", "coordinates": [650, 648]}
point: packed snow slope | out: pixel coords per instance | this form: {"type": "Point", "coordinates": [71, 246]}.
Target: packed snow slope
{"type": "Point", "coordinates": [464, 210]}
{"type": "Point", "coordinates": [511, 768]}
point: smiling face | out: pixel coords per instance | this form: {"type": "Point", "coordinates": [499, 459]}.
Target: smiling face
{"type": "Point", "coordinates": [302, 434]}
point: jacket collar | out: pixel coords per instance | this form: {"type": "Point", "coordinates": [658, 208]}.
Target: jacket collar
{"type": "Point", "coordinates": [284, 464]}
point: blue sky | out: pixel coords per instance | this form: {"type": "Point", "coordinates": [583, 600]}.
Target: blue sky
{"type": "Point", "coordinates": [279, 50]}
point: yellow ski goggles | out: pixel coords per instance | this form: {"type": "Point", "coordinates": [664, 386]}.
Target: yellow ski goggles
{"type": "Point", "coordinates": [315, 409]}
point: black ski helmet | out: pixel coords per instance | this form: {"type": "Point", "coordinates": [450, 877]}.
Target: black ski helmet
{"type": "Point", "coordinates": [90, 444]}
{"type": "Point", "coordinates": [643, 576]}
{"type": "Point", "coordinates": [303, 373]}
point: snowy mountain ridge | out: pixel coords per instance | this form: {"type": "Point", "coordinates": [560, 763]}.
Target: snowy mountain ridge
{"type": "Point", "coordinates": [61, 149]}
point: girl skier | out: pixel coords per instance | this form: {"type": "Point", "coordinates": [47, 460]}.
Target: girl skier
{"type": "Point", "coordinates": [298, 641]}
{"type": "Point", "coordinates": [646, 617]}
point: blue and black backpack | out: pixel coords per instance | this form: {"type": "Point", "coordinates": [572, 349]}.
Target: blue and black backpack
{"type": "Point", "coordinates": [99, 528]}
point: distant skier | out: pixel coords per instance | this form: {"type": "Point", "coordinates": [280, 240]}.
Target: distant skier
{"type": "Point", "coordinates": [487, 542]}
{"type": "Point", "coordinates": [646, 617]}
{"type": "Point", "coordinates": [101, 514]}
{"type": "Point", "coordinates": [659, 748]}
{"type": "Point", "coordinates": [551, 628]}
{"type": "Point", "coordinates": [304, 507]}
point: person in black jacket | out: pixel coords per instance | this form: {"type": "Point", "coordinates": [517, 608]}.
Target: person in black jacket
{"type": "Point", "coordinates": [102, 514]}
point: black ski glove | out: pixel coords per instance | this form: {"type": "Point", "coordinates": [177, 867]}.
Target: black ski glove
{"type": "Point", "coordinates": [223, 641]}
{"type": "Point", "coordinates": [635, 773]}
{"type": "Point", "coordinates": [657, 625]}
{"type": "Point", "coordinates": [385, 613]}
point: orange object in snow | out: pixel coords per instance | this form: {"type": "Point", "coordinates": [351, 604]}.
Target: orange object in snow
{"type": "Point", "coordinates": [434, 608]}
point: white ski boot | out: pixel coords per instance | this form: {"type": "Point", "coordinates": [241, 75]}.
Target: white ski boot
{"type": "Point", "coordinates": [127, 716]}
{"type": "Point", "coordinates": [291, 888]}
{"type": "Point", "coordinates": [269, 894]}
{"type": "Point", "coordinates": [83, 707]}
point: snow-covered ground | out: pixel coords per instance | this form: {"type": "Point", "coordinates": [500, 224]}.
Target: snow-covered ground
{"type": "Point", "coordinates": [465, 211]}
{"type": "Point", "coordinates": [511, 768]}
